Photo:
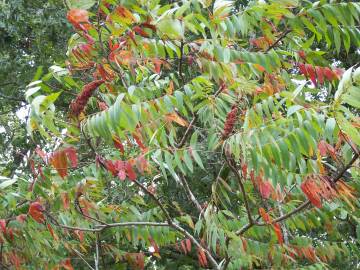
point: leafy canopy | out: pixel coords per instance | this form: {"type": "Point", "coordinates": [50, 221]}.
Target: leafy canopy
{"type": "Point", "coordinates": [198, 134]}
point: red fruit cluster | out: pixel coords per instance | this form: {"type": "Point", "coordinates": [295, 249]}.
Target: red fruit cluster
{"type": "Point", "coordinates": [78, 105]}
{"type": "Point", "coordinates": [230, 122]}
{"type": "Point", "coordinates": [317, 74]}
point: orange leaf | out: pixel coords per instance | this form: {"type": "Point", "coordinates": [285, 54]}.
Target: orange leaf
{"type": "Point", "coordinates": [311, 190]}
{"type": "Point", "coordinates": [77, 16]}
{"type": "Point", "coordinates": [67, 265]}
{"type": "Point", "coordinates": [278, 233]}
{"type": "Point", "coordinates": [65, 200]}
{"type": "Point", "coordinates": [56, 238]}
{"type": "Point", "coordinates": [58, 161]}
{"type": "Point", "coordinates": [118, 144]}
{"type": "Point", "coordinates": [174, 117]}
{"type": "Point", "coordinates": [265, 216]}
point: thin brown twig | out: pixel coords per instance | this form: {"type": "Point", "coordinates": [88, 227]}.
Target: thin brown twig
{"type": "Point", "coordinates": [282, 36]}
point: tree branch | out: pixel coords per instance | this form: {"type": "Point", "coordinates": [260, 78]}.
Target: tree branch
{"type": "Point", "coordinates": [189, 193]}
{"type": "Point", "coordinates": [231, 165]}
{"type": "Point", "coordinates": [282, 36]}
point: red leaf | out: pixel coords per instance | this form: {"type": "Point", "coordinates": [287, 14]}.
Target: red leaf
{"type": "Point", "coordinates": [36, 212]}
{"type": "Point", "coordinates": [265, 216]}
{"type": "Point", "coordinates": [138, 141]}
{"type": "Point", "coordinates": [244, 171]}
{"type": "Point", "coordinates": [311, 71]}
{"type": "Point", "coordinates": [125, 13]}
{"type": "Point", "coordinates": [122, 175]}
{"type": "Point", "coordinates": [278, 233]}
{"type": "Point", "coordinates": [21, 218]}
{"type": "Point", "coordinates": [72, 156]}
{"type": "Point", "coordinates": [303, 69]}
{"type": "Point", "coordinates": [3, 225]}
{"type": "Point", "coordinates": [183, 246]}
{"type": "Point", "coordinates": [110, 166]}
{"type": "Point", "coordinates": [329, 74]}
{"type": "Point", "coordinates": [311, 190]}
{"type": "Point", "coordinates": [118, 144]}
{"type": "Point", "coordinates": [59, 162]}
{"type": "Point", "coordinates": [322, 147]}
{"type": "Point", "coordinates": [129, 171]}
{"type": "Point", "coordinates": [157, 64]}
{"type": "Point", "coordinates": [67, 264]}
{"type": "Point", "coordinates": [147, 24]}
{"type": "Point", "coordinates": [137, 29]}
{"type": "Point", "coordinates": [52, 232]}
{"type": "Point", "coordinates": [10, 234]}
{"type": "Point", "coordinates": [320, 74]}
{"type": "Point", "coordinates": [202, 258]}
{"type": "Point", "coordinates": [78, 16]}
{"type": "Point", "coordinates": [188, 245]}
{"type": "Point", "coordinates": [265, 189]}
{"type": "Point", "coordinates": [302, 54]}
{"type": "Point", "coordinates": [141, 163]}
{"type": "Point", "coordinates": [65, 200]}
{"type": "Point", "coordinates": [41, 154]}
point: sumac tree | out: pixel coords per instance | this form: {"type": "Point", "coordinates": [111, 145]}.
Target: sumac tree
{"type": "Point", "coordinates": [198, 134]}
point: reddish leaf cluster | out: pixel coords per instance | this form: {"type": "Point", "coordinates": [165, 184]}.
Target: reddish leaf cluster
{"type": "Point", "coordinates": [123, 169]}
{"type": "Point", "coordinates": [78, 105]}
{"type": "Point", "coordinates": [230, 122]}
{"type": "Point", "coordinates": [304, 252]}
{"type": "Point", "coordinates": [202, 258]}
{"type": "Point", "coordinates": [264, 187]}
{"type": "Point", "coordinates": [318, 74]}
{"type": "Point", "coordinates": [325, 148]}
{"type": "Point", "coordinates": [318, 187]}
{"type": "Point", "coordinates": [185, 246]}
{"type": "Point", "coordinates": [5, 232]}
{"type": "Point", "coordinates": [261, 42]}
{"type": "Point", "coordinates": [59, 160]}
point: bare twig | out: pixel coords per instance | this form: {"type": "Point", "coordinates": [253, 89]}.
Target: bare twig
{"type": "Point", "coordinates": [83, 259]}
{"type": "Point", "coordinates": [96, 255]}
